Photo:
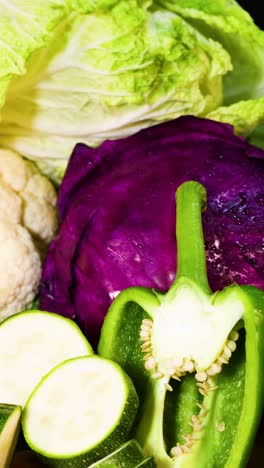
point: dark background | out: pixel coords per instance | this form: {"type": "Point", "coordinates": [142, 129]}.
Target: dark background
{"type": "Point", "coordinates": [253, 7]}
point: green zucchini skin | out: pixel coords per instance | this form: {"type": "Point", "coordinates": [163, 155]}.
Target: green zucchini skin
{"type": "Point", "coordinates": [118, 435]}
{"type": "Point", "coordinates": [10, 417]}
{"type": "Point", "coordinates": [40, 340]}
{"type": "Point", "coordinates": [5, 413]}
{"type": "Point", "coordinates": [128, 455]}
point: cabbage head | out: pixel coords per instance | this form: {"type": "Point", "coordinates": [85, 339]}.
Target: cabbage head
{"type": "Point", "coordinates": [88, 70]}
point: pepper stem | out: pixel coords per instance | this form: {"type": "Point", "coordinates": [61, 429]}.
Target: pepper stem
{"type": "Point", "coordinates": [191, 258]}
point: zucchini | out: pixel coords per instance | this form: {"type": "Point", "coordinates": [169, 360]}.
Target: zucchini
{"type": "Point", "coordinates": [128, 455]}
{"type": "Point", "coordinates": [32, 343]}
{"type": "Point", "coordinates": [10, 416]}
{"type": "Point", "coordinates": [82, 410]}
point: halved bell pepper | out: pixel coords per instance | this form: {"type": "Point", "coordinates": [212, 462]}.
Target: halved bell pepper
{"type": "Point", "coordinates": [195, 356]}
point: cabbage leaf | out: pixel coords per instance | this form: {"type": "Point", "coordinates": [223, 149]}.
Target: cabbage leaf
{"type": "Point", "coordinates": [85, 71]}
{"type": "Point", "coordinates": [117, 212]}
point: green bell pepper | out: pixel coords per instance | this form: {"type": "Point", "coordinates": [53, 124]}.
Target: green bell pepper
{"type": "Point", "coordinates": [195, 356]}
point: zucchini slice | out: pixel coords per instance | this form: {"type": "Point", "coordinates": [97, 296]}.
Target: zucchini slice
{"type": "Point", "coordinates": [82, 410]}
{"type": "Point", "coordinates": [32, 343]}
{"type": "Point", "coordinates": [10, 416]}
{"type": "Point", "coordinates": [128, 455]}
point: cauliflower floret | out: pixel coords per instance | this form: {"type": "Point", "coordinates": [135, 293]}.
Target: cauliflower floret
{"type": "Point", "coordinates": [28, 223]}
{"type": "Point", "coordinates": [14, 170]}
{"type": "Point", "coordinates": [10, 204]}
{"type": "Point", "coordinates": [40, 214]}
{"type": "Point", "coordinates": [27, 197]}
{"type": "Point", "coordinates": [20, 269]}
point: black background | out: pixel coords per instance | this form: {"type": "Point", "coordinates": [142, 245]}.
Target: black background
{"type": "Point", "coordinates": [253, 7]}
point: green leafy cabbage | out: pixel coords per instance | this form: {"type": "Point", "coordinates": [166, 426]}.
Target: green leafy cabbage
{"type": "Point", "coordinates": [85, 71]}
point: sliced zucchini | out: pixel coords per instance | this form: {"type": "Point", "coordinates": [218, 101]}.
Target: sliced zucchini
{"type": "Point", "coordinates": [32, 343]}
{"type": "Point", "coordinates": [82, 410]}
{"type": "Point", "coordinates": [128, 455]}
{"type": "Point", "coordinates": [10, 416]}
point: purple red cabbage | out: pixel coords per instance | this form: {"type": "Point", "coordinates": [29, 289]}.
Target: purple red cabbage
{"type": "Point", "coordinates": [117, 216]}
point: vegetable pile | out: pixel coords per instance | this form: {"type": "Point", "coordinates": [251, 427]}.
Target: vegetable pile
{"type": "Point", "coordinates": [89, 406]}
{"type": "Point", "coordinates": [99, 403]}
{"type": "Point", "coordinates": [117, 216]}
{"type": "Point", "coordinates": [119, 121]}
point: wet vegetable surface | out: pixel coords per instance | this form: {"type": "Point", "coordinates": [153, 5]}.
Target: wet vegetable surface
{"type": "Point", "coordinates": [117, 213]}
{"type": "Point", "coordinates": [211, 418]}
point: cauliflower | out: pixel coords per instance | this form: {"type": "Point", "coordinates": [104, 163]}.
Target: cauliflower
{"type": "Point", "coordinates": [28, 223]}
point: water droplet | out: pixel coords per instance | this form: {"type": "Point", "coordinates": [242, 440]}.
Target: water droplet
{"type": "Point", "coordinates": [137, 258]}
{"type": "Point", "coordinates": [252, 261]}
{"type": "Point", "coordinates": [223, 199]}
{"type": "Point", "coordinates": [246, 212]}
{"type": "Point", "coordinates": [259, 199]}
{"type": "Point", "coordinates": [208, 219]}
{"type": "Point", "coordinates": [216, 250]}
{"type": "Point", "coordinates": [243, 197]}
{"type": "Point", "coordinates": [240, 244]}
{"type": "Point", "coordinates": [220, 232]}
{"type": "Point", "coordinates": [237, 277]}
{"type": "Point", "coordinates": [237, 220]}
